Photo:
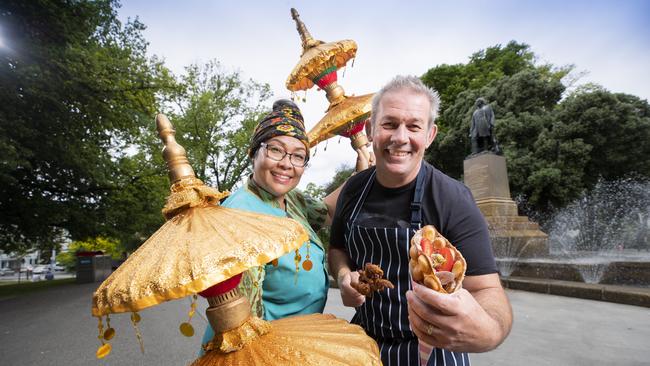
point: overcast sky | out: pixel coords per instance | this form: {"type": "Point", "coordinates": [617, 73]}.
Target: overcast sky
{"type": "Point", "coordinates": [608, 39]}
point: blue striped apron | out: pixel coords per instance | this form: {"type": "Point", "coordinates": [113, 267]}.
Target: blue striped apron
{"type": "Point", "coordinates": [385, 316]}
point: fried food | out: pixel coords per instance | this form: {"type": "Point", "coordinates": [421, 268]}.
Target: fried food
{"type": "Point", "coordinates": [371, 280]}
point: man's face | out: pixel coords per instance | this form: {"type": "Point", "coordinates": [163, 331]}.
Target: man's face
{"type": "Point", "coordinates": [400, 135]}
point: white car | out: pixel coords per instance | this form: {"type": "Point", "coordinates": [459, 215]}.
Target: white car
{"type": "Point", "coordinates": [40, 269]}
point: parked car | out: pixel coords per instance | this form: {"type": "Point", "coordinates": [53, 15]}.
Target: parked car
{"type": "Point", "coordinates": [59, 268]}
{"type": "Point", "coordinates": [40, 269]}
{"type": "Point", "coordinates": [6, 271]}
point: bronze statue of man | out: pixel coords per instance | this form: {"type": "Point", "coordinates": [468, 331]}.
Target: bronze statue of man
{"type": "Point", "coordinates": [481, 131]}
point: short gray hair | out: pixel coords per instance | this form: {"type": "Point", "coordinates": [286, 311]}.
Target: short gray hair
{"type": "Point", "coordinates": [415, 85]}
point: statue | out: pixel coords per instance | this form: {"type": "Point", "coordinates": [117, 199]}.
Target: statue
{"type": "Point", "coordinates": [481, 131]}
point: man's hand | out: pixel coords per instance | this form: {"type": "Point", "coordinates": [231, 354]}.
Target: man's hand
{"type": "Point", "coordinates": [455, 322]}
{"type": "Point", "coordinates": [349, 295]}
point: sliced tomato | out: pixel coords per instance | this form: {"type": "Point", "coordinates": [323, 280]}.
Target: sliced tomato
{"type": "Point", "coordinates": [449, 259]}
{"type": "Point", "coordinates": [427, 246]}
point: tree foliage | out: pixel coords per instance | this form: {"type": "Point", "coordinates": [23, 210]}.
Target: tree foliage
{"type": "Point", "coordinates": [77, 89]}
{"type": "Point", "coordinates": [342, 173]}
{"type": "Point", "coordinates": [557, 146]}
{"type": "Point", "coordinates": [109, 246]}
{"type": "Point", "coordinates": [218, 113]}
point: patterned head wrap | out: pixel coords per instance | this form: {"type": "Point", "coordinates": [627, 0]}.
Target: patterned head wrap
{"type": "Point", "coordinates": [285, 119]}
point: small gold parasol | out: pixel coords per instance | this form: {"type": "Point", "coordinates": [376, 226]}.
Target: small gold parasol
{"type": "Point", "coordinates": [344, 119]}
{"type": "Point", "coordinates": [203, 248]}
{"type": "Point", "coordinates": [318, 59]}
{"type": "Point", "coordinates": [346, 115]}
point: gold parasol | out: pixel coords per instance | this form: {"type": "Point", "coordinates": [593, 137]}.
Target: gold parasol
{"type": "Point", "coordinates": [200, 245]}
{"type": "Point", "coordinates": [346, 115]}
{"type": "Point", "coordinates": [317, 339]}
{"type": "Point", "coordinates": [318, 58]}
{"type": "Point", "coordinates": [203, 248]}
{"type": "Point", "coordinates": [345, 119]}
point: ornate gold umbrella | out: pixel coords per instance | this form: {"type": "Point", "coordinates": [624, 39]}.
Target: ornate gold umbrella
{"type": "Point", "coordinates": [318, 64]}
{"type": "Point", "coordinates": [317, 339]}
{"type": "Point", "coordinates": [319, 60]}
{"type": "Point", "coordinates": [200, 245]}
{"type": "Point", "coordinates": [203, 248]}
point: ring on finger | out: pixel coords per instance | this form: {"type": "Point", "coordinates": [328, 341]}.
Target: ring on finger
{"type": "Point", "coordinates": [429, 329]}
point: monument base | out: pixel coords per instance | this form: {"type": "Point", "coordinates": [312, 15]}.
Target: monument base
{"type": "Point", "coordinates": [513, 236]}
{"type": "Point", "coordinates": [516, 237]}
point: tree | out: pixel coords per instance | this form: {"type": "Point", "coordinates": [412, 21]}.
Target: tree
{"type": "Point", "coordinates": [314, 191]}
{"type": "Point", "coordinates": [109, 246]}
{"type": "Point", "coordinates": [522, 100]}
{"type": "Point", "coordinates": [612, 124]}
{"type": "Point", "coordinates": [556, 148]}
{"type": "Point", "coordinates": [77, 90]}
{"type": "Point", "coordinates": [342, 173]}
{"type": "Point", "coordinates": [483, 67]}
{"type": "Point", "coordinates": [218, 113]}
{"type": "Point", "coordinates": [472, 80]}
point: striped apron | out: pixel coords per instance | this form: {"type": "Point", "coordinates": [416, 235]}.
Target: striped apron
{"type": "Point", "coordinates": [385, 316]}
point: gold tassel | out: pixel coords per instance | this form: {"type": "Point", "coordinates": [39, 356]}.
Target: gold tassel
{"type": "Point", "coordinates": [186, 328]}
{"type": "Point", "coordinates": [110, 332]}
{"type": "Point", "coordinates": [135, 319]}
{"type": "Point", "coordinates": [105, 348]}
{"type": "Point", "coordinates": [296, 260]}
{"type": "Point", "coordinates": [307, 264]}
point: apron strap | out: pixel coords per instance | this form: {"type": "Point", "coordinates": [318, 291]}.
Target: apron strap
{"type": "Point", "coordinates": [362, 197]}
{"type": "Point", "coordinates": [416, 203]}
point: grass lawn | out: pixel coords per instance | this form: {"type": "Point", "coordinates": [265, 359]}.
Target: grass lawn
{"type": "Point", "coordinates": [15, 288]}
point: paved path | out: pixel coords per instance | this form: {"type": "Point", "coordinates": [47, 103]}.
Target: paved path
{"type": "Point", "coordinates": [54, 327]}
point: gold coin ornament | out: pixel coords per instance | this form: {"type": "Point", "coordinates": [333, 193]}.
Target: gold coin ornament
{"type": "Point", "coordinates": [135, 318]}
{"type": "Point", "coordinates": [109, 334]}
{"type": "Point", "coordinates": [187, 329]}
{"type": "Point", "coordinates": [307, 265]}
{"type": "Point", "coordinates": [103, 350]}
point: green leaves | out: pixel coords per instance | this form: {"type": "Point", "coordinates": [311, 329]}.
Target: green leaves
{"type": "Point", "coordinates": [218, 113]}
{"type": "Point", "coordinates": [77, 91]}
{"type": "Point", "coordinates": [555, 148]}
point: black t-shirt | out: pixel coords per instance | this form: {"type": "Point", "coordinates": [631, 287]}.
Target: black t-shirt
{"type": "Point", "coordinates": [446, 204]}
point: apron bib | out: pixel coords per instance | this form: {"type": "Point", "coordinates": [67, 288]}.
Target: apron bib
{"type": "Point", "coordinates": [385, 316]}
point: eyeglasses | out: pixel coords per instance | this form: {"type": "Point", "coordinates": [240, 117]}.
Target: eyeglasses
{"type": "Point", "coordinates": [277, 153]}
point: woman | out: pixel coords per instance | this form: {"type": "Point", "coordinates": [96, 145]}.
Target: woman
{"type": "Point", "coordinates": [297, 282]}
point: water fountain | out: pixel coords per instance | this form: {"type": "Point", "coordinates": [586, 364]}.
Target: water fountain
{"type": "Point", "coordinates": [601, 238]}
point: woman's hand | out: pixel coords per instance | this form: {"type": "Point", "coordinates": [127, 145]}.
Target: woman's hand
{"type": "Point", "coordinates": [365, 159]}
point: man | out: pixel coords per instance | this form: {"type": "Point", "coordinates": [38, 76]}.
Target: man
{"type": "Point", "coordinates": [376, 215]}
{"type": "Point", "coordinates": [481, 131]}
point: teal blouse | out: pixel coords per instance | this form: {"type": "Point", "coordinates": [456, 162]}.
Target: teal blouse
{"type": "Point", "coordinates": [284, 291]}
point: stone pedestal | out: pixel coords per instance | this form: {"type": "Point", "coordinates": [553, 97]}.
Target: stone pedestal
{"type": "Point", "coordinates": [512, 235]}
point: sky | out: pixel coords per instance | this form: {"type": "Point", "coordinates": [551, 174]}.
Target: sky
{"type": "Point", "coordinates": [607, 40]}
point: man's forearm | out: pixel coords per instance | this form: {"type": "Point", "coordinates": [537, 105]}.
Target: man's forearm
{"type": "Point", "coordinates": [330, 203]}
{"type": "Point", "coordinates": [339, 262]}
{"type": "Point", "coordinates": [495, 303]}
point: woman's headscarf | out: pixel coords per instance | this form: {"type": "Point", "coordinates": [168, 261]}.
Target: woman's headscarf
{"type": "Point", "coordinates": [285, 119]}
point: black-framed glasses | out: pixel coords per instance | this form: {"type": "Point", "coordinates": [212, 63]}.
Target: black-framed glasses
{"type": "Point", "coordinates": [277, 153]}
